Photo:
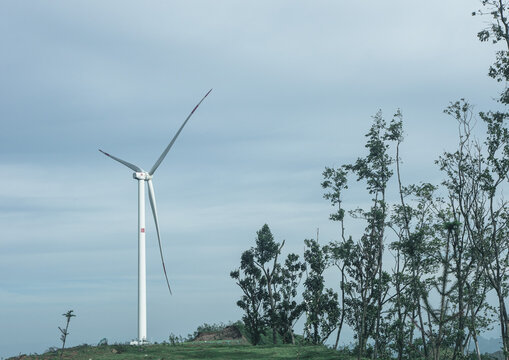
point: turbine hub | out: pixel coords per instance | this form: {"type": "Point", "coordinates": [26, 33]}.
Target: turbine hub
{"type": "Point", "coordinates": [142, 176]}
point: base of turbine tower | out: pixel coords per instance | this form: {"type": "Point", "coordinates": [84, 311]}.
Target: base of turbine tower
{"type": "Point", "coordinates": [139, 342]}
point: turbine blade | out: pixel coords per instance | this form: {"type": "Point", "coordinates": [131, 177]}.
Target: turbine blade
{"type": "Point", "coordinates": [154, 212]}
{"type": "Point", "coordinates": [161, 158]}
{"type": "Point", "coordinates": [129, 165]}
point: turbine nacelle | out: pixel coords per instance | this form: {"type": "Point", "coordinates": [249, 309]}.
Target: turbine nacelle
{"type": "Point", "coordinates": [142, 176]}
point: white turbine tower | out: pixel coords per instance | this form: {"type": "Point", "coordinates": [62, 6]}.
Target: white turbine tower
{"type": "Point", "coordinates": [143, 176]}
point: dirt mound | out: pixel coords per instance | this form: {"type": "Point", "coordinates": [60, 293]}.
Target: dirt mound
{"type": "Point", "coordinates": [231, 332]}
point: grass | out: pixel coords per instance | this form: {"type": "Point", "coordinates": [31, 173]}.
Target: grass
{"type": "Point", "coordinates": [191, 351]}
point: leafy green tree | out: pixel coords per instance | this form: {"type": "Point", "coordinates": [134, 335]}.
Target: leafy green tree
{"type": "Point", "coordinates": [364, 283]}
{"type": "Point", "coordinates": [497, 31]}
{"type": "Point", "coordinates": [321, 304]}
{"type": "Point", "coordinates": [288, 310]}
{"type": "Point", "coordinates": [415, 248]}
{"type": "Point", "coordinates": [375, 170]}
{"type": "Point", "coordinates": [265, 258]}
{"type": "Point", "coordinates": [249, 279]}
{"type": "Point", "coordinates": [490, 235]}
{"type": "Point", "coordinates": [335, 182]}
{"type": "Point", "coordinates": [475, 177]}
{"type": "Point", "coordinates": [262, 282]}
{"type": "Point", "coordinates": [409, 221]}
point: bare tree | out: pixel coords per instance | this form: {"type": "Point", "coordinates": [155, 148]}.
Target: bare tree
{"type": "Point", "coordinates": [68, 315]}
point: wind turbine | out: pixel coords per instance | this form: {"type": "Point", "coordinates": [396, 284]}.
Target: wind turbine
{"type": "Point", "coordinates": [143, 176]}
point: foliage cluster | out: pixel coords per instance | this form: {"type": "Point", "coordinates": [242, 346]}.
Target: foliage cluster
{"type": "Point", "coordinates": [415, 283]}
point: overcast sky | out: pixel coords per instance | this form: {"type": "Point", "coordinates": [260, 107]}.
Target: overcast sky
{"type": "Point", "coordinates": [295, 84]}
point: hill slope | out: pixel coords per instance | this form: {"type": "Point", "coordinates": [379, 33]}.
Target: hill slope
{"type": "Point", "coordinates": [191, 351]}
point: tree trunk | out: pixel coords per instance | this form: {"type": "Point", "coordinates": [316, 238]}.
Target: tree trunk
{"type": "Point", "coordinates": [504, 324]}
{"type": "Point", "coordinates": [421, 323]}
{"type": "Point", "coordinates": [361, 333]}
{"type": "Point", "coordinates": [476, 343]}
{"type": "Point", "coordinates": [340, 326]}
{"type": "Point", "coordinates": [443, 310]}
{"type": "Point", "coordinates": [273, 310]}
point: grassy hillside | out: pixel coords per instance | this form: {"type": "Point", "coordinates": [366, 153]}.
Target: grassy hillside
{"type": "Point", "coordinates": [191, 351]}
